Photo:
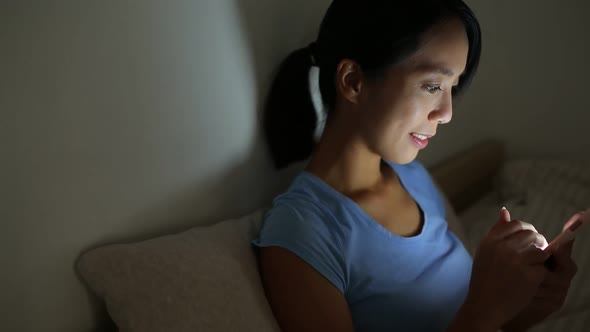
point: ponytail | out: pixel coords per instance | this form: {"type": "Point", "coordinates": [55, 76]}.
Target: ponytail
{"type": "Point", "coordinates": [289, 118]}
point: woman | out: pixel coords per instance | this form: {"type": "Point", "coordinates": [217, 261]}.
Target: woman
{"type": "Point", "coordinates": [359, 241]}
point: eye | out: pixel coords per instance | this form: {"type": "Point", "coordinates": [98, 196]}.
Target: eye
{"type": "Point", "coordinates": [433, 88]}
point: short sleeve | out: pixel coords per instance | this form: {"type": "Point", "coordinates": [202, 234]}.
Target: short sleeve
{"type": "Point", "coordinates": [303, 231]}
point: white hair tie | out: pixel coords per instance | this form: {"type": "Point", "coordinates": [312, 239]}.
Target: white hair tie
{"type": "Point", "coordinates": [317, 101]}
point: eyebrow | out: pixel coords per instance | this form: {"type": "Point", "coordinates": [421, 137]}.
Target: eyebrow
{"type": "Point", "coordinates": [435, 68]}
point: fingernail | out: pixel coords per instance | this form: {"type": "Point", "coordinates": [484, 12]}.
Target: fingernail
{"type": "Point", "coordinates": [504, 208]}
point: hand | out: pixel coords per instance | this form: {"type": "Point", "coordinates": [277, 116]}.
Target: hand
{"type": "Point", "coordinates": [507, 271]}
{"type": "Point", "coordinates": [552, 291]}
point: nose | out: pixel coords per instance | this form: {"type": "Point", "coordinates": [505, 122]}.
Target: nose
{"type": "Point", "coordinates": [443, 113]}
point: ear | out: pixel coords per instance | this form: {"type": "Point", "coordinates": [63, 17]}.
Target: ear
{"type": "Point", "coordinates": [349, 80]}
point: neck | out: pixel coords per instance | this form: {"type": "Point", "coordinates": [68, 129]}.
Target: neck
{"type": "Point", "coordinates": [342, 159]}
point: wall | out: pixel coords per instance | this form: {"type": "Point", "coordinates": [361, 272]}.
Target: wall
{"type": "Point", "coordinates": [126, 119]}
{"type": "Point", "coordinates": [531, 90]}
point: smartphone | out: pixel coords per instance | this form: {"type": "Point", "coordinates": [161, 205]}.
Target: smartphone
{"type": "Point", "coordinates": [565, 236]}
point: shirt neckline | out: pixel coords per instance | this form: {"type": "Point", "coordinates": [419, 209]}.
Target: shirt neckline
{"type": "Point", "coordinates": [366, 218]}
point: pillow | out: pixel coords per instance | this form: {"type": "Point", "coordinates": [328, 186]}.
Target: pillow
{"type": "Point", "coordinates": [567, 181]}
{"type": "Point", "coordinates": [455, 225]}
{"type": "Point", "coordinates": [204, 279]}
{"type": "Point", "coordinates": [453, 220]}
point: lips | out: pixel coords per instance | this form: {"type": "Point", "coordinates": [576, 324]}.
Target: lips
{"type": "Point", "coordinates": [420, 140]}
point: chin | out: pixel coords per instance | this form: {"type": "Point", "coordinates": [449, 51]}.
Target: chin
{"type": "Point", "coordinates": [408, 160]}
{"type": "Point", "coordinates": [401, 158]}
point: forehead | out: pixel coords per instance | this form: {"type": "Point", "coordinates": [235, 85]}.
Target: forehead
{"type": "Point", "coordinates": [443, 48]}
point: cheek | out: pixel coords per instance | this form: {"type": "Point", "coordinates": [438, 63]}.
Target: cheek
{"type": "Point", "coordinates": [396, 112]}
{"type": "Point", "coordinates": [405, 118]}
{"type": "Point", "coordinates": [392, 128]}
{"type": "Point", "coordinates": [378, 115]}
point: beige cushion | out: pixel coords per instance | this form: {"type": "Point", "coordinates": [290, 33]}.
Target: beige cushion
{"type": "Point", "coordinates": [204, 279]}
{"type": "Point", "coordinates": [455, 224]}
{"type": "Point", "coordinates": [566, 181]}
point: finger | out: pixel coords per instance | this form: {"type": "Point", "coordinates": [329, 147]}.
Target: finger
{"type": "Point", "coordinates": [524, 239]}
{"type": "Point", "coordinates": [573, 219]}
{"type": "Point", "coordinates": [554, 292]}
{"type": "Point", "coordinates": [550, 302]}
{"type": "Point", "coordinates": [553, 280]}
{"type": "Point", "coordinates": [550, 263]}
{"type": "Point", "coordinates": [565, 250]}
{"type": "Point", "coordinates": [561, 249]}
{"type": "Point", "coordinates": [562, 273]}
{"type": "Point", "coordinates": [557, 280]}
{"type": "Point", "coordinates": [567, 235]}
{"type": "Point", "coordinates": [565, 267]}
{"type": "Point", "coordinates": [545, 244]}
{"type": "Point", "coordinates": [538, 274]}
{"type": "Point", "coordinates": [503, 230]}
{"type": "Point", "coordinates": [504, 216]}
{"type": "Point", "coordinates": [563, 270]}
{"type": "Point", "coordinates": [533, 255]}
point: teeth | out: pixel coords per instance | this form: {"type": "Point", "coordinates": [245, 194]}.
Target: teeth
{"type": "Point", "coordinates": [422, 137]}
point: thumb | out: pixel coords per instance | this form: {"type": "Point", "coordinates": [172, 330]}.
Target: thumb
{"type": "Point", "coordinates": [575, 218]}
{"type": "Point", "coordinates": [504, 216]}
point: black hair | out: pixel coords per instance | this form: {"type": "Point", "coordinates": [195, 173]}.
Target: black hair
{"type": "Point", "coordinates": [373, 33]}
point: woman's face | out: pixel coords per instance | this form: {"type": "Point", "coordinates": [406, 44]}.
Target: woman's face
{"type": "Point", "coordinates": [413, 97]}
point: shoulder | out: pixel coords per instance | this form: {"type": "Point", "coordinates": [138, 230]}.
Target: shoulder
{"type": "Point", "coordinates": [301, 214]}
{"type": "Point", "coordinates": [309, 202]}
{"type": "Point", "coordinates": [299, 223]}
{"type": "Point", "coordinates": [294, 216]}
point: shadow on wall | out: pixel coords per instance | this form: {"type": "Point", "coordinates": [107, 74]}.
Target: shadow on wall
{"type": "Point", "coordinates": [271, 30]}
{"type": "Point", "coordinates": [283, 27]}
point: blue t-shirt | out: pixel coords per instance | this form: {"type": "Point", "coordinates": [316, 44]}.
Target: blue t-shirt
{"type": "Point", "coordinates": [391, 283]}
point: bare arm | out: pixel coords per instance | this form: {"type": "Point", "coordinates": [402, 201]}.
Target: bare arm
{"type": "Point", "coordinates": [300, 297]}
